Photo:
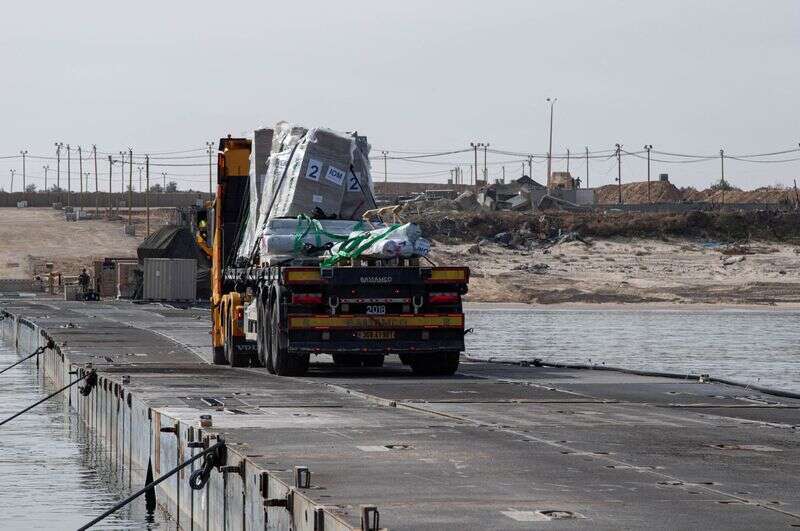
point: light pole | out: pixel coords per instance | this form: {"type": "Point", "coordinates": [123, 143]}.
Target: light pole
{"type": "Point", "coordinates": [619, 172]}
{"type": "Point", "coordinates": [587, 166]}
{"type": "Point", "coordinates": [385, 173]}
{"type": "Point", "coordinates": [550, 148]}
{"type": "Point", "coordinates": [45, 168]}
{"type": "Point", "coordinates": [648, 147]}
{"type": "Point", "coordinates": [80, 178]}
{"type": "Point", "coordinates": [58, 145]}
{"type": "Point", "coordinates": [485, 169]}
{"type": "Point", "coordinates": [210, 148]}
{"type": "Point", "coordinates": [12, 180]}
{"type": "Point", "coordinates": [140, 178]}
{"type": "Point", "coordinates": [121, 179]}
{"type": "Point", "coordinates": [69, 178]}
{"type": "Point", "coordinates": [722, 183]}
{"type": "Point", "coordinates": [164, 179]}
{"type": "Point", "coordinates": [475, 146]}
{"type": "Point", "coordinates": [24, 152]}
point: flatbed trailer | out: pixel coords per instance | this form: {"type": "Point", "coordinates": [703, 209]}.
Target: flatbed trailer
{"type": "Point", "coordinates": [278, 315]}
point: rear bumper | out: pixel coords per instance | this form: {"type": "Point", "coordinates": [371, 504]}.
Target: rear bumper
{"type": "Point", "coordinates": [377, 347]}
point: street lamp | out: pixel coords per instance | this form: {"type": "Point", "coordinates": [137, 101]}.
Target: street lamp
{"type": "Point", "coordinates": [550, 148]}
{"type": "Point", "coordinates": [23, 152]}
{"type": "Point", "coordinates": [648, 147]}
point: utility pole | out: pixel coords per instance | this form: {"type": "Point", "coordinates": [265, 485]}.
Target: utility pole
{"type": "Point", "coordinates": [648, 147]}
{"type": "Point", "coordinates": [45, 168]}
{"type": "Point", "coordinates": [96, 184]}
{"type": "Point", "coordinates": [69, 178]}
{"type": "Point", "coordinates": [140, 177]}
{"type": "Point", "coordinates": [485, 169]}
{"type": "Point", "coordinates": [619, 172]}
{"type": "Point", "coordinates": [550, 149]}
{"type": "Point", "coordinates": [130, 186]}
{"type": "Point", "coordinates": [504, 173]}
{"type": "Point", "coordinates": [110, 174]}
{"type": "Point", "coordinates": [12, 180]}
{"type": "Point", "coordinates": [164, 178]}
{"type": "Point", "coordinates": [567, 160]}
{"type": "Point", "coordinates": [210, 148]}
{"type": "Point", "coordinates": [587, 166]}
{"type": "Point", "coordinates": [147, 191]}
{"type": "Point", "coordinates": [475, 147]}
{"type": "Point", "coordinates": [24, 152]}
{"type": "Point", "coordinates": [59, 145]}
{"type": "Point", "coordinates": [385, 174]}
{"type": "Point", "coordinates": [722, 183]}
{"type": "Point", "coordinates": [80, 178]}
{"type": "Point", "coordinates": [530, 166]}
{"type": "Point", "coordinates": [121, 178]}
{"type": "Point", "coordinates": [523, 167]}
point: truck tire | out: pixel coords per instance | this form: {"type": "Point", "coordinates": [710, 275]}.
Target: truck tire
{"type": "Point", "coordinates": [232, 354]}
{"type": "Point", "coordinates": [440, 364]}
{"type": "Point", "coordinates": [219, 356]}
{"type": "Point", "coordinates": [283, 364]}
{"type": "Point", "coordinates": [346, 360]}
{"type": "Point", "coordinates": [373, 360]}
{"type": "Point", "coordinates": [261, 338]}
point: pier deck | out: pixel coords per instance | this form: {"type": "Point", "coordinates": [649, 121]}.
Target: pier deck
{"type": "Point", "coordinates": [496, 446]}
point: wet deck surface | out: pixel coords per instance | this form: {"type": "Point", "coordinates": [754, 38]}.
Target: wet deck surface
{"type": "Point", "coordinates": [494, 447]}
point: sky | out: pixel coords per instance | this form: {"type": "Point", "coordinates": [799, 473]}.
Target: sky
{"type": "Point", "coordinates": [418, 76]}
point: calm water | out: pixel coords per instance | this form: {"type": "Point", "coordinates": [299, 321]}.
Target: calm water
{"type": "Point", "coordinates": [52, 476]}
{"type": "Point", "coordinates": [760, 347]}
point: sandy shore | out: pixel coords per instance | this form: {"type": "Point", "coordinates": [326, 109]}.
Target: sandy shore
{"type": "Point", "coordinates": [624, 271]}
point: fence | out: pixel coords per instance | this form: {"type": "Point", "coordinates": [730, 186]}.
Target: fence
{"type": "Point", "coordinates": [90, 199]}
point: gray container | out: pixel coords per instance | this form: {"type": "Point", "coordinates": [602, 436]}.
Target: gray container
{"type": "Point", "coordinates": [170, 279]}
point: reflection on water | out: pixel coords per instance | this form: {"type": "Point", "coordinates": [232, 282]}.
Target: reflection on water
{"type": "Point", "coordinates": [54, 473]}
{"type": "Point", "coordinates": [749, 345]}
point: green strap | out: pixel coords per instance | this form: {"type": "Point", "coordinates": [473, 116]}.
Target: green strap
{"type": "Point", "coordinates": [305, 224]}
{"type": "Point", "coordinates": [356, 245]}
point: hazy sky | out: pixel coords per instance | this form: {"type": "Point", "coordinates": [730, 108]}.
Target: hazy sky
{"type": "Point", "coordinates": [685, 76]}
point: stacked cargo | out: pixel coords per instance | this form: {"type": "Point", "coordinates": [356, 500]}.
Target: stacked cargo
{"type": "Point", "coordinates": [317, 173]}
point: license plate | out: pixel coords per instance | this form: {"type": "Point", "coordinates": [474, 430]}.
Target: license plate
{"type": "Point", "coordinates": [376, 309]}
{"type": "Point", "coordinates": [375, 334]}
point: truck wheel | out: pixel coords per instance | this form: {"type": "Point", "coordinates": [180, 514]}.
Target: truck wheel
{"type": "Point", "coordinates": [232, 354]}
{"type": "Point", "coordinates": [284, 364]}
{"type": "Point", "coordinates": [346, 360]}
{"type": "Point", "coordinates": [441, 364]}
{"type": "Point", "coordinates": [406, 359]}
{"type": "Point", "coordinates": [375, 360]}
{"type": "Point", "coordinates": [261, 344]}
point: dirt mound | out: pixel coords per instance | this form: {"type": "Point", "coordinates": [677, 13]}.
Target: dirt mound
{"type": "Point", "coordinates": [636, 193]}
{"type": "Point", "coordinates": [766, 194]}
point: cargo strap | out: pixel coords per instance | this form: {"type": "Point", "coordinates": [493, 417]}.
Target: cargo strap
{"type": "Point", "coordinates": [355, 245]}
{"type": "Point", "coordinates": [306, 224]}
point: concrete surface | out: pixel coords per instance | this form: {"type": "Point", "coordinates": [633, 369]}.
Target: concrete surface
{"type": "Point", "coordinates": [494, 447]}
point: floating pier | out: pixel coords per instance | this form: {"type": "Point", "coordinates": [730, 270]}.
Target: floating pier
{"type": "Point", "coordinates": [497, 446]}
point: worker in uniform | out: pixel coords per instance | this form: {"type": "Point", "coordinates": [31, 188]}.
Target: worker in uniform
{"type": "Point", "coordinates": [84, 280]}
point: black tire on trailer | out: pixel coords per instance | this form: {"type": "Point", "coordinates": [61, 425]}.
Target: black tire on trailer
{"type": "Point", "coordinates": [406, 359]}
{"type": "Point", "coordinates": [261, 343]}
{"type": "Point", "coordinates": [439, 364]}
{"type": "Point", "coordinates": [283, 363]}
{"type": "Point", "coordinates": [346, 360]}
{"type": "Point", "coordinates": [373, 360]}
{"type": "Point", "coordinates": [267, 331]}
{"type": "Point", "coordinates": [232, 354]}
{"type": "Point", "coordinates": [219, 356]}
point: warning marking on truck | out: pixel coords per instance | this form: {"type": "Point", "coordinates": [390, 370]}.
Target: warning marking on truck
{"type": "Point", "coordinates": [383, 321]}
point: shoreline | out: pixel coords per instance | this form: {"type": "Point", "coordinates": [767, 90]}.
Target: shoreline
{"type": "Point", "coordinates": [620, 306]}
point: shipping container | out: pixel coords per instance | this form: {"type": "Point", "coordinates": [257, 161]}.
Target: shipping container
{"type": "Point", "coordinates": [170, 279]}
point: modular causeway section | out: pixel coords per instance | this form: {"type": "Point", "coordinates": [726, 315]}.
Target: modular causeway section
{"type": "Point", "coordinates": [497, 446]}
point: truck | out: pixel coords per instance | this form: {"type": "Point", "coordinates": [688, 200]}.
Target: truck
{"type": "Point", "coordinates": [278, 314]}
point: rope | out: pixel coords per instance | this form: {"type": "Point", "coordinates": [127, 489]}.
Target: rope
{"type": "Point", "coordinates": [300, 233]}
{"type": "Point", "coordinates": [36, 352]}
{"type": "Point", "coordinates": [91, 381]}
{"type": "Point", "coordinates": [215, 449]}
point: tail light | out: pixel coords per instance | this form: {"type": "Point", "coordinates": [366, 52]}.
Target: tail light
{"type": "Point", "coordinates": [306, 298]}
{"type": "Point", "coordinates": [448, 275]}
{"type": "Point", "coordinates": [443, 298]}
